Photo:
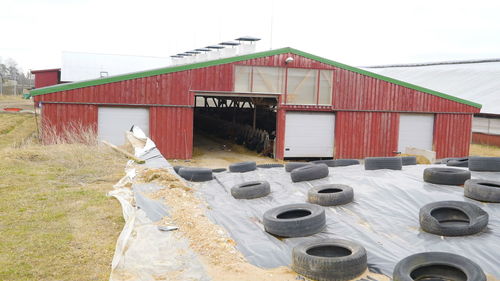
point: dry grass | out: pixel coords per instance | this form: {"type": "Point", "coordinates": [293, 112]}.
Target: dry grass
{"type": "Point", "coordinates": [420, 159]}
{"type": "Point", "coordinates": [71, 133]}
{"type": "Point", "coordinates": [56, 222]}
{"type": "Point", "coordinates": [484, 150]}
{"type": "Point", "coordinates": [15, 101]}
{"type": "Point", "coordinates": [16, 128]}
{"type": "Point", "coordinates": [11, 98]}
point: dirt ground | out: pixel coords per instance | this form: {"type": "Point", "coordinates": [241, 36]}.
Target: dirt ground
{"type": "Point", "coordinates": [212, 152]}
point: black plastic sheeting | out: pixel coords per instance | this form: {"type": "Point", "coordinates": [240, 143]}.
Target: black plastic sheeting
{"type": "Point", "coordinates": [155, 210]}
{"type": "Point", "coordinates": [383, 217]}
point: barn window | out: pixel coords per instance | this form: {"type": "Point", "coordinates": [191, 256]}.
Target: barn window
{"type": "Point", "coordinates": [259, 79]}
{"type": "Point", "coordinates": [243, 78]}
{"type": "Point", "coordinates": [325, 87]}
{"type": "Point", "coordinates": [309, 86]}
{"type": "Point", "coordinates": [268, 79]}
{"type": "Point", "coordinates": [301, 86]}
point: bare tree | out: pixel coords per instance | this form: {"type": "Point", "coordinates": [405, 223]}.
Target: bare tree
{"type": "Point", "coordinates": [10, 71]}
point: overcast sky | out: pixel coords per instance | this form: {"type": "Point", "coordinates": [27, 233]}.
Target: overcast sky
{"type": "Point", "coordinates": [360, 33]}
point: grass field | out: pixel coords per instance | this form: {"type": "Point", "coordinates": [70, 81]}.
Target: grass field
{"type": "Point", "coordinates": [56, 222]}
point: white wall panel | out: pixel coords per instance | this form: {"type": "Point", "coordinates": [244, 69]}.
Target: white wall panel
{"type": "Point", "coordinates": [309, 134]}
{"type": "Point", "coordinates": [113, 122]}
{"type": "Point", "coordinates": [416, 130]}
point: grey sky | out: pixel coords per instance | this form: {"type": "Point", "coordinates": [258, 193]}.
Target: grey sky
{"type": "Point", "coordinates": [34, 32]}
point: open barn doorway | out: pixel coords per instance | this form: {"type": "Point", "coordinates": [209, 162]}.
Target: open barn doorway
{"type": "Point", "coordinates": [235, 122]}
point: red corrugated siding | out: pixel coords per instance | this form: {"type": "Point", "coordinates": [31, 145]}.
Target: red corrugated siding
{"type": "Point", "coordinates": [365, 134]}
{"type": "Point", "coordinates": [452, 135]}
{"type": "Point", "coordinates": [46, 78]}
{"type": "Point", "coordinates": [171, 130]}
{"type": "Point", "coordinates": [351, 91]}
{"type": "Point", "coordinates": [480, 138]}
{"type": "Point", "coordinates": [60, 117]}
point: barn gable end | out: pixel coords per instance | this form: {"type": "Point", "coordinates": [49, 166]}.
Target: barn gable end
{"type": "Point", "coordinates": [370, 101]}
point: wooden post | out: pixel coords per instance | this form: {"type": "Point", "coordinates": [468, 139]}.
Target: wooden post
{"type": "Point", "coordinates": [127, 154]}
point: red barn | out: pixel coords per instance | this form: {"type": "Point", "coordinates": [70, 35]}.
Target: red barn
{"type": "Point", "coordinates": [318, 107]}
{"type": "Point", "coordinates": [47, 77]}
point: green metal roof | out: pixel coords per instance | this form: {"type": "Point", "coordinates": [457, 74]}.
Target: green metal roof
{"type": "Point", "coordinates": [142, 74]}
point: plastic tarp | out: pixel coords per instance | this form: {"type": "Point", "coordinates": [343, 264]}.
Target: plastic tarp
{"type": "Point", "coordinates": [383, 217]}
{"type": "Point", "coordinates": [144, 251]}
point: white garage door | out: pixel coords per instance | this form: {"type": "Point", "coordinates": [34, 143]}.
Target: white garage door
{"type": "Point", "coordinates": [114, 121]}
{"type": "Point", "coordinates": [416, 130]}
{"type": "Point", "coordinates": [309, 134]}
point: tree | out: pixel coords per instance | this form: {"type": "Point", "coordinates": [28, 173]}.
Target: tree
{"type": "Point", "coordinates": [10, 70]}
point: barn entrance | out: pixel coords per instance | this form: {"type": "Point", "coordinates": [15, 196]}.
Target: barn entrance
{"type": "Point", "coordinates": [235, 120]}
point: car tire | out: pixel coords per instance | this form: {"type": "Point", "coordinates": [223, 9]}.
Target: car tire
{"type": "Point", "coordinates": [459, 162]}
{"type": "Point", "coordinates": [409, 160]}
{"type": "Point", "coordinates": [437, 266]}
{"type": "Point", "coordinates": [219, 170]}
{"type": "Point", "coordinates": [447, 176]}
{"type": "Point", "coordinates": [251, 190]}
{"type": "Point", "coordinates": [484, 164]}
{"type": "Point", "coordinates": [177, 168]}
{"type": "Point", "coordinates": [295, 220]}
{"type": "Point", "coordinates": [329, 163]}
{"type": "Point", "coordinates": [445, 160]}
{"type": "Point", "coordinates": [452, 218]}
{"type": "Point", "coordinates": [329, 259]}
{"type": "Point", "coordinates": [290, 166]}
{"type": "Point", "coordinates": [309, 172]}
{"type": "Point", "coordinates": [268, 166]}
{"type": "Point", "coordinates": [345, 162]}
{"type": "Point", "coordinates": [196, 174]}
{"type": "Point", "coordinates": [482, 190]}
{"type": "Point", "coordinates": [242, 167]}
{"type": "Point", "coordinates": [378, 163]}
{"type": "Point", "coordinates": [330, 195]}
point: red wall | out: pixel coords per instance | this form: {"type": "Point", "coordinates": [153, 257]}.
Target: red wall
{"type": "Point", "coordinates": [480, 138]}
{"type": "Point", "coordinates": [171, 129]}
{"type": "Point", "coordinates": [44, 78]}
{"type": "Point", "coordinates": [452, 135]}
{"type": "Point", "coordinates": [61, 118]}
{"type": "Point", "coordinates": [375, 133]}
{"type": "Point", "coordinates": [366, 134]}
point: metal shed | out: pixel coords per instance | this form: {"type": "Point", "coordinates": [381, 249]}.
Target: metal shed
{"type": "Point", "coordinates": [365, 109]}
{"type": "Point", "coordinates": [475, 80]}
{"type": "Point", "coordinates": [46, 77]}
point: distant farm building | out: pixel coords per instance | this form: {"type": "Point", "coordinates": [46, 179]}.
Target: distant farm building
{"type": "Point", "coordinates": [315, 107]}
{"type": "Point", "coordinates": [475, 80]}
